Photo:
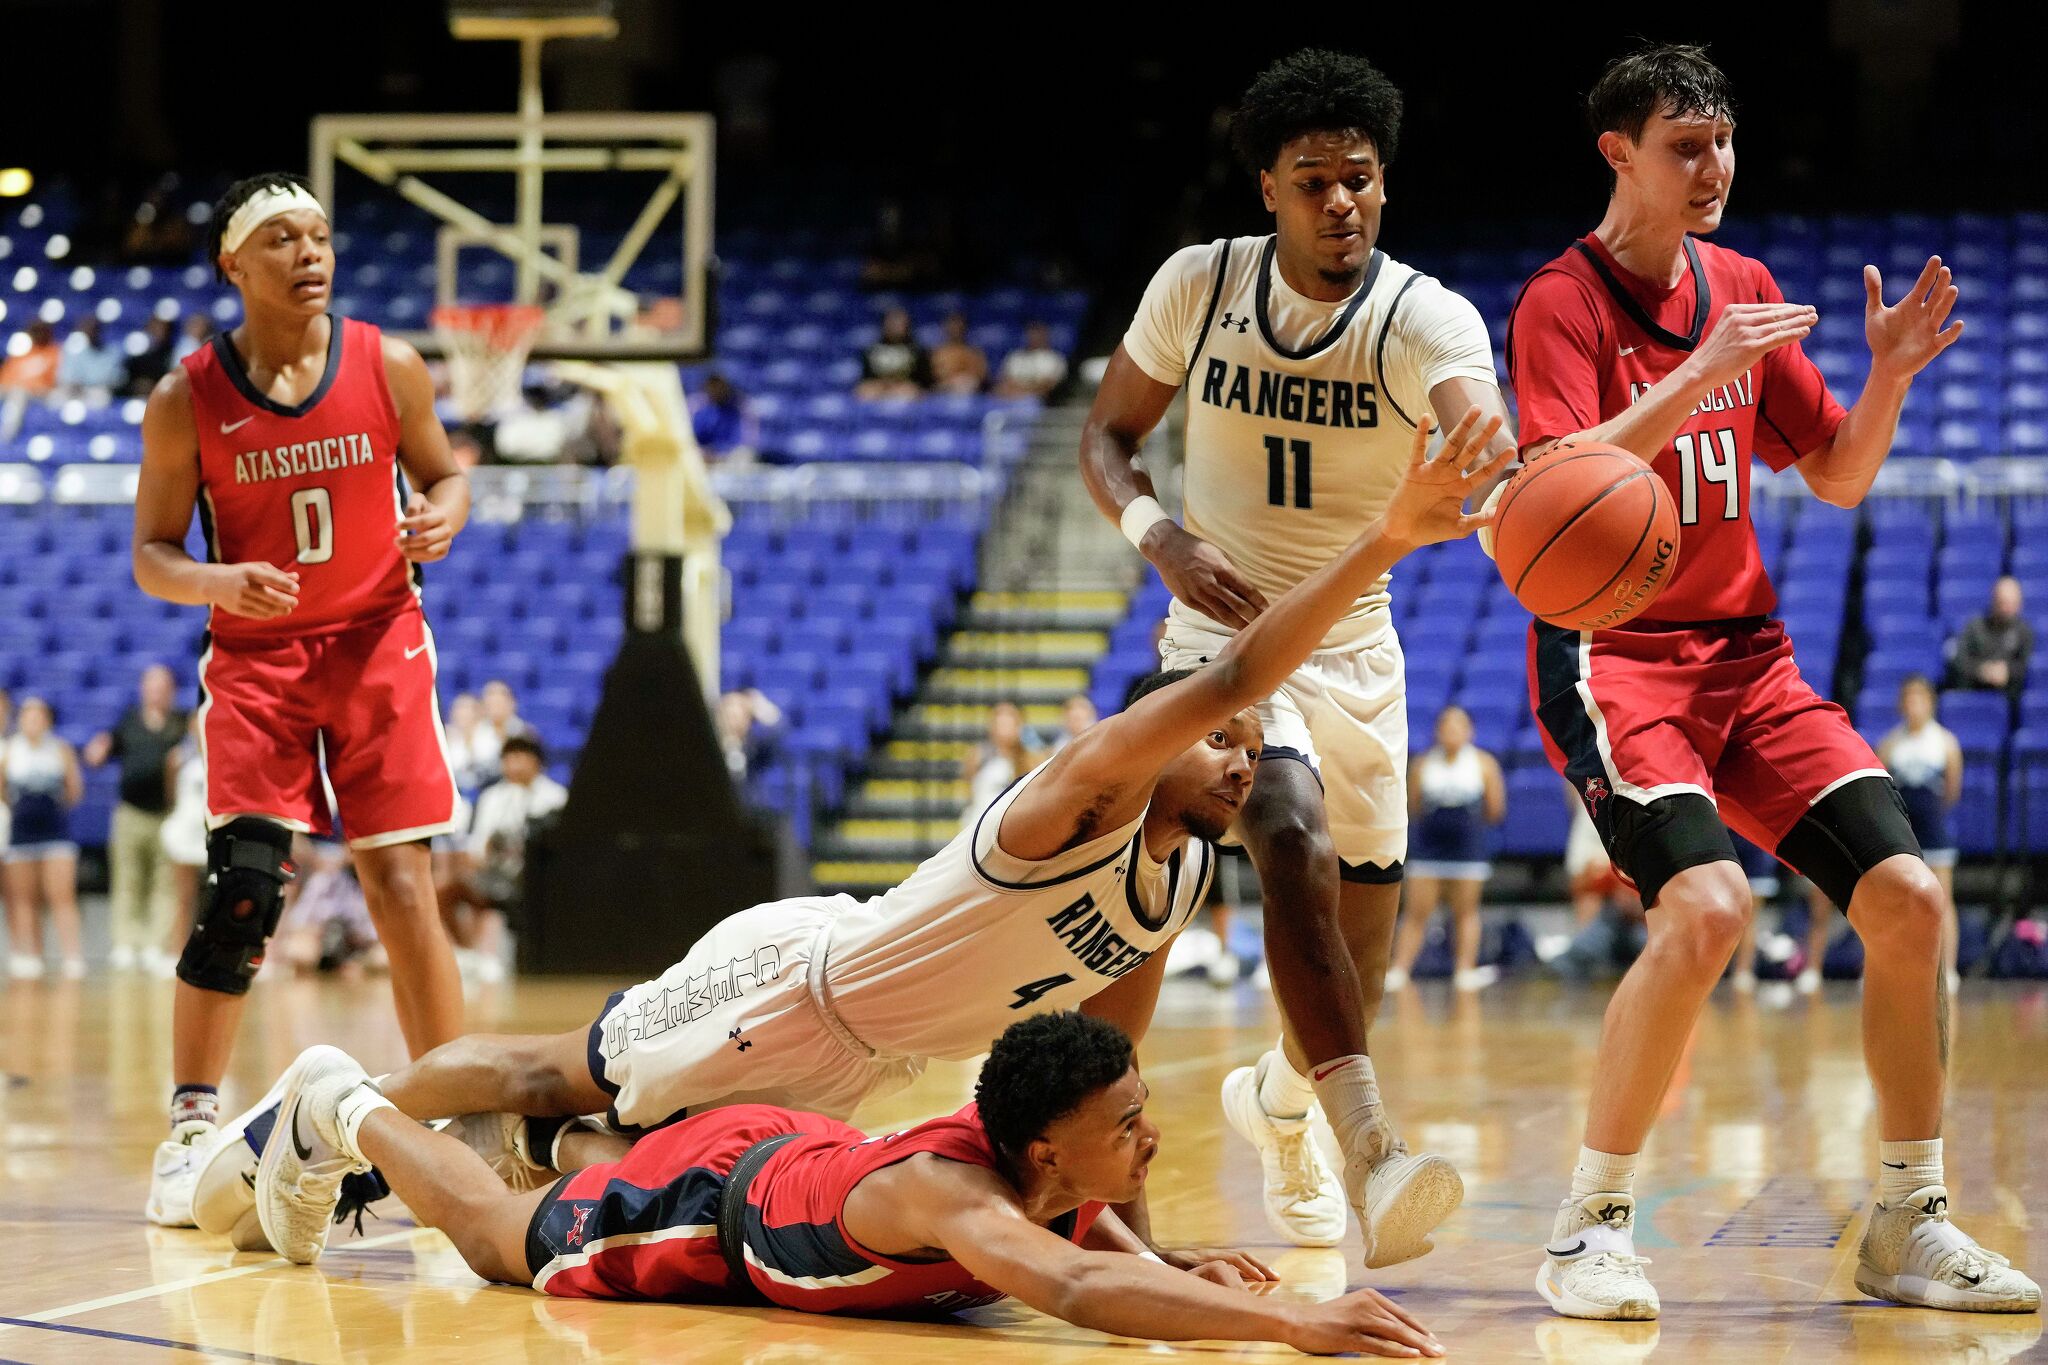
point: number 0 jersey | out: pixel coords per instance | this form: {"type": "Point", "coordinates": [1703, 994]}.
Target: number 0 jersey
{"type": "Point", "coordinates": [975, 939]}
{"type": "Point", "coordinates": [1300, 412]}
{"type": "Point", "coordinates": [1588, 338]}
{"type": "Point", "coordinates": [313, 489]}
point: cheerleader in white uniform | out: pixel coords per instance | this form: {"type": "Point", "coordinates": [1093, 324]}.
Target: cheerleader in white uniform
{"type": "Point", "coordinates": [1457, 794]}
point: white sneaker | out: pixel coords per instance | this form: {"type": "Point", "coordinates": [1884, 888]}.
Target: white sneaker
{"type": "Point", "coordinates": [1304, 1199]}
{"type": "Point", "coordinates": [224, 1198]}
{"type": "Point", "coordinates": [1808, 981]}
{"type": "Point", "coordinates": [1478, 979]}
{"type": "Point", "coordinates": [500, 1139]}
{"type": "Point", "coordinates": [1395, 979]}
{"type": "Point", "coordinates": [158, 963]}
{"type": "Point", "coordinates": [1404, 1199]}
{"type": "Point", "coordinates": [175, 1173]}
{"type": "Point", "coordinates": [1744, 983]}
{"type": "Point", "coordinates": [1591, 1269]}
{"type": "Point", "coordinates": [1223, 969]}
{"type": "Point", "coordinates": [25, 966]}
{"type": "Point", "coordinates": [122, 958]}
{"type": "Point", "coordinates": [1912, 1254]}
{"type": "Point", "coordinates": [298, 1181]}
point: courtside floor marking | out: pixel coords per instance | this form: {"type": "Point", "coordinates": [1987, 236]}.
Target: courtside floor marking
{"type": "Point", "coordinates": [100, 1334]}
{"type": "Point", "coordinates": [72, 1310]}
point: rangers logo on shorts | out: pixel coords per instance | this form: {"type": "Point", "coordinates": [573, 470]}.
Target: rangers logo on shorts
{"type": "Point", "coordinates": [1596, 792]}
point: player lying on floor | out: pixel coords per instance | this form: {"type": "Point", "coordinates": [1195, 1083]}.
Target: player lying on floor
{"type": "Point", "coordinates": [762, 1205]}
{"type": "Point", "coordinates": [1066, 892]}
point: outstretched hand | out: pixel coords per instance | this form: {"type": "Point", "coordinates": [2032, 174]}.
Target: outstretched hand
{"type": "Point", "coordinates": [1429, 506]}
{"type": "Point", "coordinates": [1905, 337]}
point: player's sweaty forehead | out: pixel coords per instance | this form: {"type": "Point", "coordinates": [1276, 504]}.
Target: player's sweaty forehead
{"type": "Point", "coordinates": [1672, 124]}
{"type": "Point", "coordinates": [1333, 150]}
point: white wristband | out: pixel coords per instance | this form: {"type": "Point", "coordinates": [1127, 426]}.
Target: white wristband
{"type": "Point", "coordinates": [1141, 514]}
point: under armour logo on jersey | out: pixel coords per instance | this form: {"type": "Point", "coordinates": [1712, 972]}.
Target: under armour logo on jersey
{"type": "Point", "coordinates": [744, 1045]}
{"type": "Point", "coordinates": [1232, 320]}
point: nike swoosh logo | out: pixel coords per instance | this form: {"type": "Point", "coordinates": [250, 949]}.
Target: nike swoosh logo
{"type": "Point", "coordinates": [299, 1146]}
{"type": "Point", "coordinates": [1969, 1279]}
{"type": "Point", "coordinates": [415, 651]}
{"type": "Point", "coordinates": [1572, 1250]}
{"type": "Point", "coordinates": [249, 1179]}
{"type": "Point", "coordinates": [1322, 1071]}
{"type": "Point", "coordinates": [1631, 350]}
{"type": "Point", "coordinates": [1893, 1165]}
{"type": "Point", "coordinates": [226, 427]}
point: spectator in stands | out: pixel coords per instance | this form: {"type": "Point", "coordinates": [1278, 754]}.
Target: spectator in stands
{"type": "Point", "coordinates": [959, 366]}
{"type": "Point", "coordinates": [1456, 791]}
{"type": "Point", "coordinates": [724, 423]}
{"type": "Point", "coordinates": [895, 366]}
{"type": "Point", "coordinates": [142, 741]}
{"type": "Point", "coordinates": [1006, 755]}
{"type": "Point", "coordinates": [155, 361]}
{"type": "Point", "coordinates": [197, 331]}
{"type": "Point", "coordinates": [42, 783]}
{"type": "Point", "coordinates": [1608, 929]}
{"type": "Point", "coordinates": [1077, 713]}
{"type": "Point", "coordinates": [29, 376]}
{"type": "Point", "coordinates": [749, 731]}
{"type": "Point", "coordinates": [466, 448]}
{"type": "Point", "coordinates": [184, 843]}
{"type": "Point", "coordinates": [327, 926]}
{"type": "Point", "coordinates": [495, 856]}
{"type": "Point", "coordinates": [92, 367]}
{"type": "Point", "coordinates": [6, 815]}
{"type": "Point", "coordinates": [1991, 652]}
{"type": "Point", "coordinates": [1034, 369]}
{"type": "Point", "coordinates": [547, 425]}
{"type": "Point", "coordinates": [501, 718]}
{"type": "Point", "coordinates": [1926, 763]}
{"type": "Point", "coordinates": [472, 746]}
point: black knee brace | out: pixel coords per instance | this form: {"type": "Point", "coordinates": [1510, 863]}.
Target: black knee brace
{"type": "Point", "coordinates": [248, 866]}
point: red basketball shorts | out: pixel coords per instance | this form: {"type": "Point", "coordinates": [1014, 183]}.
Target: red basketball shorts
{"type": "Point", "coordinates": [361, 699]}
{"type": "Point", "coordinates": [1718, 710]}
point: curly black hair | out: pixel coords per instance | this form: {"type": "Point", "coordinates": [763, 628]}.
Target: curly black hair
{"type": "Point", "coordinates": [1042, 1069]}
{"type": "Point", "coordinates": [1144, 687]}
{"type": "Point", "coordinates": [1315, 91]}
{"type": "Point", "coordinates": [236, 195]}
{"type": "Point", "coordinates": [1676, 79]}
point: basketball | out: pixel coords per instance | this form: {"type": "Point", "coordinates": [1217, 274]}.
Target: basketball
{"type": "Point", "coordinates": [1587, 536]}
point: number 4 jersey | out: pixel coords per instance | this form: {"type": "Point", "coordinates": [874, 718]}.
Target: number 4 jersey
{"type": "Point", "coordinates": [1587, 339]}
{"type": "Point", "coordinates": [312, 489]}
{"type": "Point", "coordinates": [1300, 412]}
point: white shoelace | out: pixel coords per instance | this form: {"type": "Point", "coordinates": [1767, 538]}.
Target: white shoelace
{"type": "Point", "coordinates": [1296, 1168]}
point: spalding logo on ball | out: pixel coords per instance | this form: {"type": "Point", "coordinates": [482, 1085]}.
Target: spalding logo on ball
{"type": "Point", "coordinates": [1587, 536]}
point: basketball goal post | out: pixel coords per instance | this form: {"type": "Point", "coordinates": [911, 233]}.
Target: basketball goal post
{"type": "Point", "coordinates": [584, 323]}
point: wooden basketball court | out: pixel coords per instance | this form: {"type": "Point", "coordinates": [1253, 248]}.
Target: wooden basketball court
{"type": "Point", "coordinates": [1753, 1191]}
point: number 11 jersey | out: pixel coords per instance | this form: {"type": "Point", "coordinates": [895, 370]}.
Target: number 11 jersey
{"type": "Point", "coordinates": [1588, 338]}
{"type": "Point", "coordinates": [311, 488]}
{"type": "Point", "coordinates": [1301, 413]}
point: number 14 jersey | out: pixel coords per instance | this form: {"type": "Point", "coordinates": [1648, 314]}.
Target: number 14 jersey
{"type": "Point", "coordinates": [1300, 412]}
{"type": "Point", "coordinates": [1588, 338]}
{"type": "Point", "coordinates": [312, 488]}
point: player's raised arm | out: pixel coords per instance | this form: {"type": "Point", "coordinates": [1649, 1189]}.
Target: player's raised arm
{"type": "Point", "coordinates": [164, 498]}
{"type": "Point", "coordinates": [439, 506]}
{"type": "Point", "coordinates": [1112, 766]}
{"type": "Point", "coordinates": [970, 1214]}
{"type": "Point", "coordinates": [1127, 406]}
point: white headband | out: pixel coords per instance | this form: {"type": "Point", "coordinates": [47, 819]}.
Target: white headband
{"type": "Point", "coordinates": [263, 206]}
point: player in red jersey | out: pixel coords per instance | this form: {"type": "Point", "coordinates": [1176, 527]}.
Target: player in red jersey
{"type": "Point", "coordinates": [755, 1204]}
{"type": "Point", "coordinates": [1685, 353]}
{"type": "Point", "coordinates": [294, 436]}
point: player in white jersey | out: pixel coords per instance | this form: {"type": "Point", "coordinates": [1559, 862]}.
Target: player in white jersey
{"type": "Point", "coordinates": [1065, 892]}
{"type": "Point", "coordinates": [1308, 356]}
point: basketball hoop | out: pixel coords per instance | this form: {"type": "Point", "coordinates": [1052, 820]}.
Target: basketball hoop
{"type": "Point", "coordinates": [486, 345]}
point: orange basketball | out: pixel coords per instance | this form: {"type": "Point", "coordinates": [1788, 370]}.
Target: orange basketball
{"type": "Point", "coordinates": [1587, 536]}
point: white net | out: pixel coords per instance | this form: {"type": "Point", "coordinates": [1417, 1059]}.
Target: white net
{"type": "Point", "coordinates": [486, 346]}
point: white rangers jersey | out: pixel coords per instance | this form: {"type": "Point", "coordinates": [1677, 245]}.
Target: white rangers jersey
{"type": "Point", "coordinates": [1300, 412]}
{"type": "Point", "coordinates": [976, 939]}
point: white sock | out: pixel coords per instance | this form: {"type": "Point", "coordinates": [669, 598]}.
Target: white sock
{"type": "Point", "coordinates": [1284, 1093]}
{"type": "Point", "coordinates": [1351, 1101]}
{"type": "Point", "coordinates": [1907, 1166]}
{"type": "Point", "coordinates": [362, 1100]}
{"type": "Point", "coordinates": [1603, 1173]}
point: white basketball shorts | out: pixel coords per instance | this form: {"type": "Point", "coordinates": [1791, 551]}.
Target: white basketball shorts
{"type": "Point", "coordinates": [1344, 713]}
{"type": "Point", "coordinates": [742, 1019]}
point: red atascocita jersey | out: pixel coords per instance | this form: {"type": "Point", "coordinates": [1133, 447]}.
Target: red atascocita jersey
{"type": "Point", "coordinates": [1587, 339]}
{"type": "Point", "coordinates": [313, 489]}
{"type": "Point", "coordinates": [643, 1227]}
